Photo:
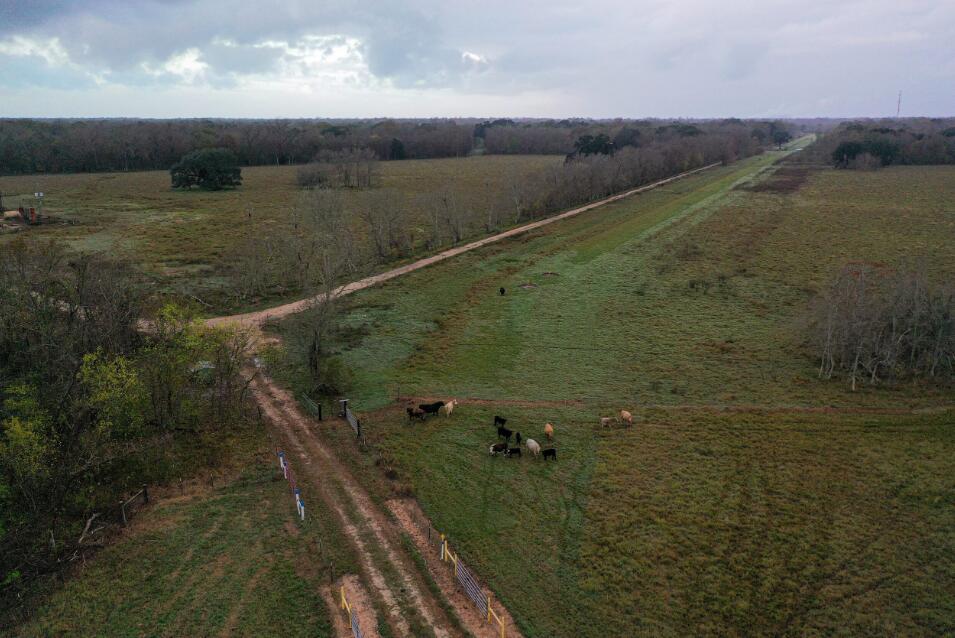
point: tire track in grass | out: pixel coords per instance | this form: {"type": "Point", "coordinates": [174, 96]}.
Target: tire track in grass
{"type": "Point", "coordinates": [275, 413]}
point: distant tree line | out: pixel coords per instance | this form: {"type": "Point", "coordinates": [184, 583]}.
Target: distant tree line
{"type": "Point", "coordinates": [93, 403]}
{"type": "Point", "coordinates": [876, 143]}
{"type": "Point", "coordinates": [69, 146]}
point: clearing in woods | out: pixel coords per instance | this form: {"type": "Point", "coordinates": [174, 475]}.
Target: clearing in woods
{"type": "Point", "coordinates": [749, 496]}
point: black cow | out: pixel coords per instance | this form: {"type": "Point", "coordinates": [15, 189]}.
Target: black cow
{"type": "Point", "coordinates": [502, 431]}
{"type": "Point", "coordinates": [502, 291]}
{"type": "Point", "coordinates": [513, 451]}
{"type": "Point", "coordinates": [499, 420]}
{"type": "Point", "coordinates": [550, 453]}
{"type": "Point", "coordinates": [431, 408]}
{"type": "Point", "coordinates": [517, 438]}
{"type": "Point", "coordinates": [498, 448]}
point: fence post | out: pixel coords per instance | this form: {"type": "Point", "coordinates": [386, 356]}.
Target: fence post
{"type": "Point", "coordinates": [489, 607]}
{"type": "Point", "coordinates": [145, 494]}
{"type": "Point", "coordinates": [443, 543]}
{"type": "Point", "coordinates": [319, 411]}
{"type": "Point", "coordinates": [344, 404]}
{"type": "Point", "coordinates": [122, 508]}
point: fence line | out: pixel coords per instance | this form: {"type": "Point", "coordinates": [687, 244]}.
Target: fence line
{"type": "Point", "coordinates": [353, 420]}
{"type": "Point", "coordinates": [470, 586]}
{"type": "Point", "coordinates": [352, 617]}
{"type": "Point", "coordinates": [293, 483]}
{"type": "Point", "coordinates": [143, 493]}
{"type": "Point", "coordinates": [315, 409]}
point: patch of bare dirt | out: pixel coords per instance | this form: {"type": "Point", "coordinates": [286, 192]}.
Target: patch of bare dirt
{"type": "Point", "coordinates": [519, 403]}
{"type": "Point", "coordinates": [362, 523]}
{"type": "Point", "coordinates": [785, 180]}
{"type": "Point", "coordinates": [406, 512]}
{"type": "Point", "coordinates": [357, 596]}
{"type": "Point", "coordinates": [342, 630]}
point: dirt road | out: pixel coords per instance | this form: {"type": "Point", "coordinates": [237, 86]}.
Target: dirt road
{"type": "Point", "coordinates": [387, 567]}
{"type": "Point", "coordinates": [259, 317]}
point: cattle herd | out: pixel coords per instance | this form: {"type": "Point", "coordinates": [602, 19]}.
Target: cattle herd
{"type": "Point", "coordinates": [424, 410]}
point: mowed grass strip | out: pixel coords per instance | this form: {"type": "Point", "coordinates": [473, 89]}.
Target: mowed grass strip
{"type": "Point", "coordinates": [235, 561]}
{"type": "Point", "coordinates": [750, 497]}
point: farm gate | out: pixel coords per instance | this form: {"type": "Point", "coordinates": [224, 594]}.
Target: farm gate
{"type": "Point", "coordinates": [352, 617]}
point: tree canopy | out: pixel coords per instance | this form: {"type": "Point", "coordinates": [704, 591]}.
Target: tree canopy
{"type": "Point", "coordinates": [209, 168]}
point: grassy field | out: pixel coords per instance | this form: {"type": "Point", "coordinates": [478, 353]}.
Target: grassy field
{"type": "Point", "coordinates": [750, 498]}
{"type": "Point", "coordinates": [185, 239]}
{"type": "Point", "coordinates": [233, 560]}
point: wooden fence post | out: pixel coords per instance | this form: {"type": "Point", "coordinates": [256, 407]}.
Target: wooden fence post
{"type": "Point", "coordinates": [122, 508]}
{"type": "Point", "coordinates": [145, 494]}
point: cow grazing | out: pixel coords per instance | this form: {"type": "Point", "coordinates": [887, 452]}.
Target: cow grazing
{"type": "Point", "coordinates": [431, 408]}
{"type": "Point", "coordinates": [550, 453]}
{"type": "Point", "coordinates": [517, 438]}
{"type": "Point", "coordinates": [502, 431]}
{"type": "Point", "coordinates": [499, 420]}
{"type": "Point", "coordinates": [605, 421]}
{"type": "Point", "coordinates": [513, 451]}
{"type": "Point", "coordinates": [534, 447]}
{"type": "Point", "coordinates": [626, 417]}
{"type": "Point", "coordinates": [415, 413]}
{"type": "Point", "coordinates": [498, 448]}
{"type": "Point", "coordinates": [502, 291]}
{"type": "Point", "coordinates": [449, 406]}
{"type": "Point", "coordinates": [549, 431]}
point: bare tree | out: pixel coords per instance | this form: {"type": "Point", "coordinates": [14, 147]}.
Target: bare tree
{"type": "Point", "coordinates": [876, 324]}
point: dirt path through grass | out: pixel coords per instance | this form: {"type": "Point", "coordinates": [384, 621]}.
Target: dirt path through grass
{"type": "Point", "coordinates": [261, 316]}
{"type": "Point", "coordinates": [388, 568]}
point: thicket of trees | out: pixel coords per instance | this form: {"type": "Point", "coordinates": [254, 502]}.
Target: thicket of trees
{"type": "Point", "coordinates": [875, 324]}
{"type": "Point", "coordinates": [352, 168]}
{"type": "Point", "coordinates": [875, 143]}
{"type": "Point", "coordinates": [58, 146]}
{"type": "Point", "coordinates": [93, 403]}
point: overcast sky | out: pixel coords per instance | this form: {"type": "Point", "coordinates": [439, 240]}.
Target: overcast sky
{"type": "Point", "coordinates": [418, 58]}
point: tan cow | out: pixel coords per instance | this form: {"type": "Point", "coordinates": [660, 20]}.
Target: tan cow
{"type": "Point", "coordinates": [626, 417]}
{"type": "Point", "coordinates": [448, 406]}
{"type": "Point", "coordinates": [605, 421]}
{"type": "Point", "coordinates": [549, 431]}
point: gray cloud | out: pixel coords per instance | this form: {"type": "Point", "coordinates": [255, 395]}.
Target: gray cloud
{"type": "Point", "coordinates": [601, 58]}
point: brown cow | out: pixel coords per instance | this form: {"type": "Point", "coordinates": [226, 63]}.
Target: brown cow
{"type": "Point", "coordinates": [549, 431]}
{"type": "Point", "coordinates": [626, 417]}
{"type": "Point", "coordinates": [605, 421]}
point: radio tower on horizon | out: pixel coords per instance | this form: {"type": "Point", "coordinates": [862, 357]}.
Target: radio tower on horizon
{"type": "Point", "coordinates": [898, 106]}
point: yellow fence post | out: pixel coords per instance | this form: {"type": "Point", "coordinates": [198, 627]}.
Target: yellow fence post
{"type": "Point", "coordinates": [344, 604]}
